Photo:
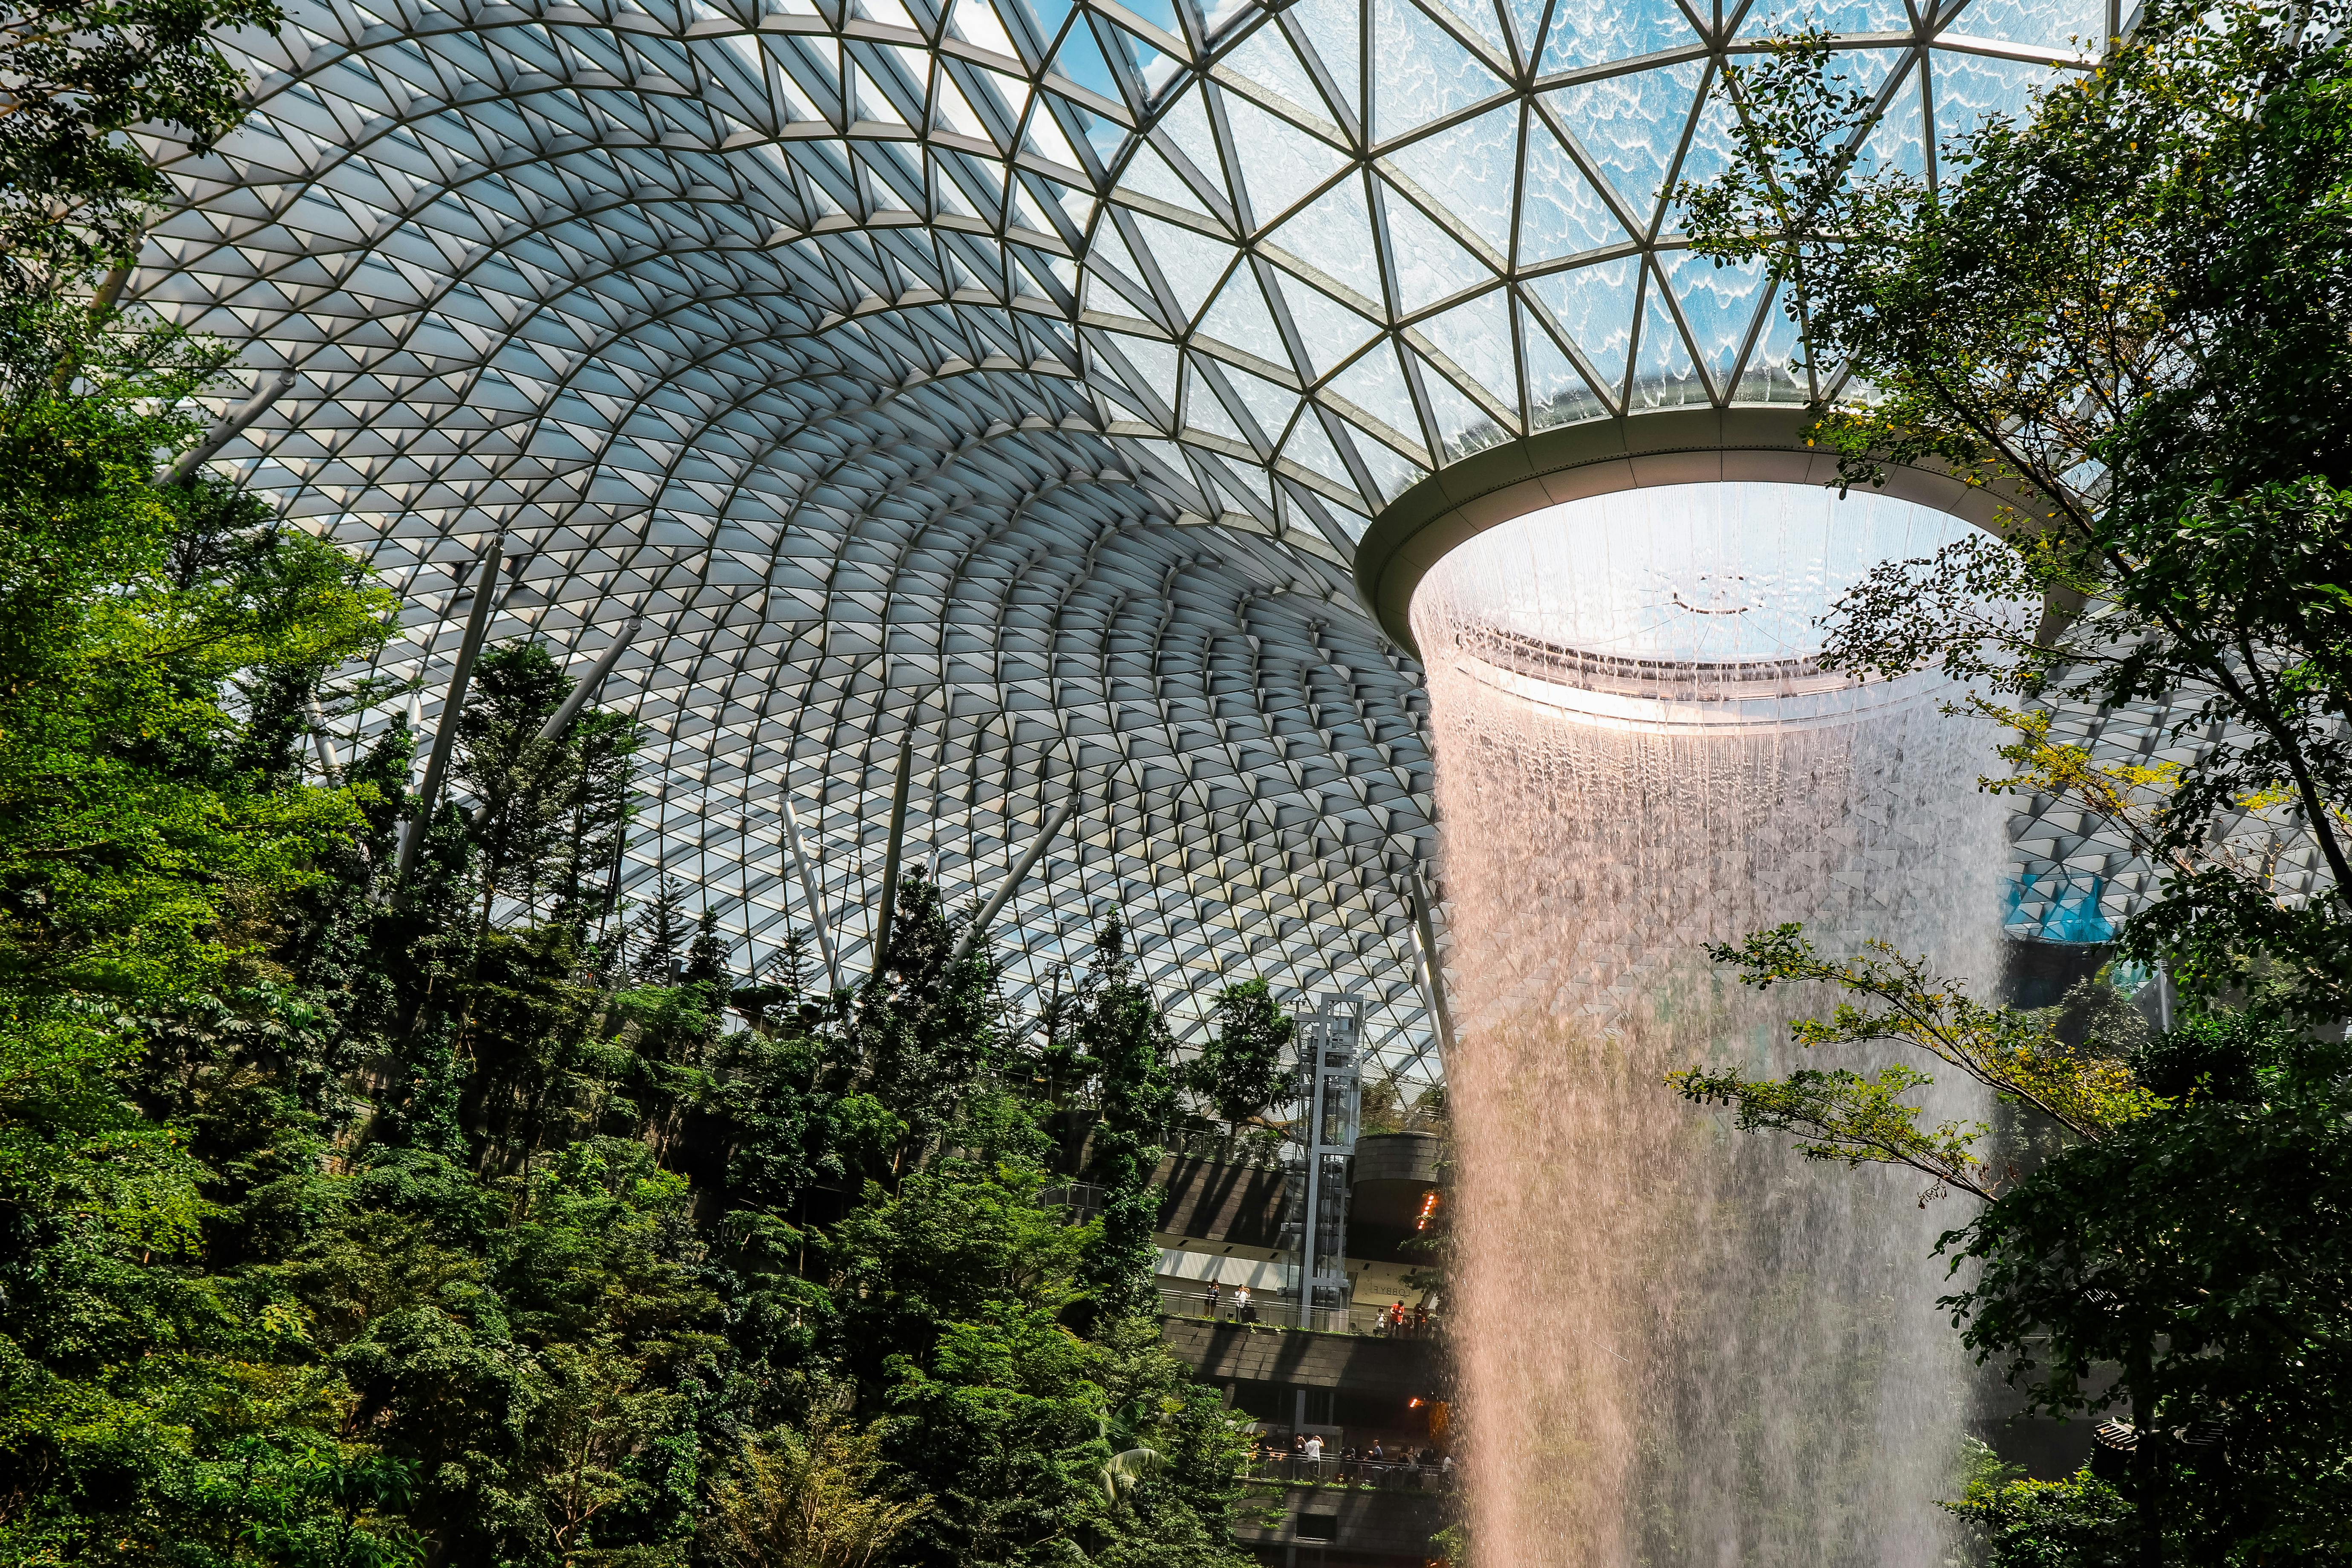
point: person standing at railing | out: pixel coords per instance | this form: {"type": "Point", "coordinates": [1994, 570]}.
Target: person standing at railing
{"type": "Point", "coordinates": [1241, 1313]}
{"type": "Point", "coordinates": [1213, 1301]}
{"type": "Point", "coordinates": [1314, 1459]}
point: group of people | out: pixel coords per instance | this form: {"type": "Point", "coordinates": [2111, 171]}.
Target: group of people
{"type": "Point", "coordinates": [1242, 1312]}
{"type": "Point", "coordinates": [1373, 1464]}
{"type": "Point", "coordinates": [1394, 1321]}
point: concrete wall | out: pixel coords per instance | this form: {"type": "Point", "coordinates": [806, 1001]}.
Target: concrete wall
{"type": "Point", "coordinates": [1238, 1204]}
{"type": "Point", "coordinates": [1226, 1352]}
{"type": "Point", "coordinates": [1359, 1525]}
{"type": "Point", "coordinates": [1397, 1157]}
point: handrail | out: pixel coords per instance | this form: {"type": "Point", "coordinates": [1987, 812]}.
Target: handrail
{"type": "Point", "coordinates": [1278, 1309]}
{"type": "Point", "coordinates": [1378, 1474]}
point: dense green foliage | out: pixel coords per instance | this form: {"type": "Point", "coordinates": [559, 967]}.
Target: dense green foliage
{"type": "Point", "coordinates": [2078, 1523]}
{"type": "Point", "coordinates": [1243, 1071]}
{"type": "Point", "coordinates": [2130, 317]}
{"type": "Point", "coordinates": [497, 1223]}
{"type": "Point", "coordinates": [80, 75]}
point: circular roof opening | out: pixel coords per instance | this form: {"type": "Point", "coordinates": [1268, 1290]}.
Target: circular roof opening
{"type": "Point", "coordinates": [1707, 594]}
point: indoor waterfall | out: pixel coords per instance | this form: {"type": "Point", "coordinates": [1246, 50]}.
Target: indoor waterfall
{"type": "Point", "coordinates": [1679, 1345]}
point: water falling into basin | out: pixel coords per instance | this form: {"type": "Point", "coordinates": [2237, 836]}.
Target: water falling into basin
{"type": "Point", "coordinates": [1677, 1345]}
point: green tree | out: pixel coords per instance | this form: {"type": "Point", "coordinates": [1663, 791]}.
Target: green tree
{"type": "Point", "coordinates": [74, 189]}
{"type": "Point", "coordinates": [2078, 1523]}
{"type": "Point", "coordinates": [1123, 1034]}
{"type": "Point", "coordinates": [337, 1232]}
{"type": "Point", "coordinates": [2129, 317]}
{"type": "Point", "coordinates": [148, 851]}
{"type": "Point", "coordinates": [551, 809]}
{"type": "Point", "coordinates": [810, 1500]}
{"type": "Point", "coordinates": [1241, 1070]}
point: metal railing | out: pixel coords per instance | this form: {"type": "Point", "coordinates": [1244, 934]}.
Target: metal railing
{"type": "Point", "coordinates": [1391, 1473]}
{"type": "Point", "coordinates": [1279, 1309]}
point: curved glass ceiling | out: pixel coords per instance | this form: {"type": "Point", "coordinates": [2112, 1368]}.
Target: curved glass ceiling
{"type": "Point", "coordinates": [1011, 380]}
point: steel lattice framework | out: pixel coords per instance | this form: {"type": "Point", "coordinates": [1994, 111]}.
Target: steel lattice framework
{"type": "Point", "coordinates": [1008, 382]}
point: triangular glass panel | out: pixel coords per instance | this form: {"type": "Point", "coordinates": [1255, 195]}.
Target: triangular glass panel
{"type": "Point", "coordinates": [959, 277]}
{"type": "Point", "coordinates": [1478, 18]}
{"type": "Point", "coordinates": [1560, 212]}
{"type": "Point", "coordinates": [1240, 318]}
{"type": "Point", "coordinates": [1203, 412]}
{"type": "Point", "coordinates": [1714, 144]}
{"type": "Point", "coordinates": [1329, 330]}
{"type": "Point", "coordinates": [1970, 87]}
{"type": "Point", "coordinates": [976, 22]}
{"type": "Point", "coordinates": [1046, 137]}
{"type": "Point", "coordinates": [1419, 72]}
{"type": "Point", "coordinates": [1334, 235]}
{"type": "Point", "coordinates": [1077, 204]}
{"type": "Point", "coordinates": [1374, 385]}
{"type": "Point", "coordinates": [887, 198]}
{"type": "Point", "coordinates": [1463, 427]}
{"type": "Point", "coordinates": [1269, 405]}
{"type": "Point", "coordinates": [1587, 35]}
{"type": "Point", "coordinates": [1772, 373]}
{"type": "Point", "coordinates": [1628, 126]}
{"type": "Point", "coordinates": [1280, 164]}
{"type": "Point", "coordinates": [1147, 174]}
{"type": "Point", "coordinates": [1558, 393]}
{"type": "Point", "coordinates": [1185, 122]}
{"type": "Point", "coordinates": [1476, 335]}
{"type": "Point", "coordinates": [1594, 306]}
{"type": "Point", "coordinates": [1664, 375]}
{"type": "Point", "coordinates": [1430, 265]}
{"type": "Point", "coordinates": [1311, 449]}
{"type": "Point", "coordinates": [1154, 361]}
{"type": "Point", "coordinates": [1391, 474]}
{"type": "Point", "coordinates": [869, 102]}
{"type": "Point", "coordinates": [1049, 286]}
{"type": "Point", "coordinates": [2068, 25]}
{"type": "Point", "coordinates": [1334, 29]}
{"type": "Point", "coordinates": [952, 112]}
{"type": "Point", "coordinates": [1265, 58]}
{"type": "Point", "coordinates": [1107, 137]}
{"type": "Point", "coordinates": [1247, 483]}
{"type": "Point", "coordinates": [1115, 398]}
{"type": "Point", "coordinates": [1470, 169]}
{"type": "Point", "coordinates": [1720, 303]}
{"type": "Point", "coordinates": [1025, 213]}
{"type": "Point", "coordinates": [1109, 248]}
{"type": "Point", "coordinates": [1193, 264]}
{"type": "Point", "coordinates": [1837, 17]}
{"type": "Point", "coordinates": [1156, 69]}
{"type": "Point", "coordinates": [1898, 143]}
{"type": "Point", "coordinates": [1080, 60]}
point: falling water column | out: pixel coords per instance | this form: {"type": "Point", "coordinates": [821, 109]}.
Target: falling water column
{"type": "Point", "coordinates": [1680, 1345]}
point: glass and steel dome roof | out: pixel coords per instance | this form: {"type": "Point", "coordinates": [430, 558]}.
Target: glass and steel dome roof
{"type": "Point", "coordinates": [1008, 380]}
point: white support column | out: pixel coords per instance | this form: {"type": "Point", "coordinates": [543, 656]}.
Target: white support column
{"type": "Point", "coordinates": [814, 893]}
{"type": "Point", "coordinates": [444, 733]}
